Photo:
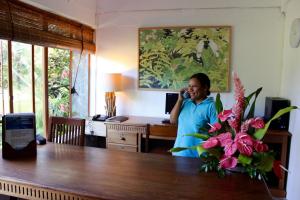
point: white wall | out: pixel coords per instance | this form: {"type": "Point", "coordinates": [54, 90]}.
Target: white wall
{"type": "Point", "coordinates": [256, 44]}
{"type": "Point", "coordinates": [290, 89]}
{"type": "Point", "coordinates": [83, 11]}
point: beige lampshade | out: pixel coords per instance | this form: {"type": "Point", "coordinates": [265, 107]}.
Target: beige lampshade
{"type": "Point", "coordinates": [112, 82]}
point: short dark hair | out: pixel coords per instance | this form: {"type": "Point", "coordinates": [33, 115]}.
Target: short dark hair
{"type": "Point", "coordinates": [203, 79]}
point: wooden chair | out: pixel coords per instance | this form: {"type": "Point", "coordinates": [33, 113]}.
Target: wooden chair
{"type": "Point", "coordinates": [66, 130]}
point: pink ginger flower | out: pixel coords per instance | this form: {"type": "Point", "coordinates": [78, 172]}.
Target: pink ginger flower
{"type": "Point", "coordinates": [224, 115]}
{"type": "Point", "coordinates": [259, 146]}
{"type": "Point", "coordinates": [256, 122]}
{"type": "Point", "coordinates": [238, 108]}
{"type": "Point", "coordinates": [215, 127]}
{"type": "Point", "coordinates": [233, 123]}
{"type": "Point", "coordinates": [244, 143]}
{"type": "Point", "coordinates": [245, 125]}
{"type": "Point", "coordinates": [211, 142]}
{"type": "Point", "coordinates": [228, 162]}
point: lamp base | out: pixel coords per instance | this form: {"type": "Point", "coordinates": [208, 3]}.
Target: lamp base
{"type": "Point", "coordinates": [110, 101]}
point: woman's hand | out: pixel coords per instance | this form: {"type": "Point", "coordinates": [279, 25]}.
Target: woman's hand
{"type": "Point", "coordinates": [176, 109]}
{"type": "Point", "coordinates": [181, 92]}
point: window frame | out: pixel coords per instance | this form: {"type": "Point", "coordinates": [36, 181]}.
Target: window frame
{"type": "Point", "coordinates": [45, 80]}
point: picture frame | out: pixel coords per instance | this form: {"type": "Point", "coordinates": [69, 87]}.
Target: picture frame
{"type": "Point", "coordinates": [168, 56]}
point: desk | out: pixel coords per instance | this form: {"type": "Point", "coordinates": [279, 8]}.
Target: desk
{"type": "Point", "coordinates": [154, 129]}
{"type": "Point", "coordinates": [71, 172]}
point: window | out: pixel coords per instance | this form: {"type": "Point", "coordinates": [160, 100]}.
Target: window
{"type": "Point", "coordinates": [39, 87]}
{"type": "Point", "coordinates": [4, 97]}
{"type": "Point", "coordinates": [4, 106]}
{"type": "Point", "coordinates": [28, 82]}
{"type": "Point", "coordinates": [22, 77]}
{"type": "Point", "coordinates": [32, 81]}
{"type": "Point", "coordinates": [59, 82]}
{"type": "Point", "coordinates": [80, 76]}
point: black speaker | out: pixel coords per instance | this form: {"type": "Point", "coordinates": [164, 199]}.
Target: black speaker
{"type": "Point", "coordinates": [272, 106]}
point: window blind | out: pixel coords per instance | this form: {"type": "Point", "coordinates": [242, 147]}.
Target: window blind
{"type": "Point", "coordinates": [25, 23]}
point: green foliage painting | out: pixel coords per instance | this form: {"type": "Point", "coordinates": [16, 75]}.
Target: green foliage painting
{"type": "Point", "coordinates": [168, 56]}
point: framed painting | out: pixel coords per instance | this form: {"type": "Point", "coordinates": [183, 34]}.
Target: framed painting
{"type": "Point", "coordinates": [168, 56]}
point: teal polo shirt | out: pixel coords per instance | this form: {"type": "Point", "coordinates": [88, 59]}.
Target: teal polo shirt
{"type": "Point", "coordinates": [191, 119]}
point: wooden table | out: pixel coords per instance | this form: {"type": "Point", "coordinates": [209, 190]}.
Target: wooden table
{"type": "Point", "coordinates": [71, 172]}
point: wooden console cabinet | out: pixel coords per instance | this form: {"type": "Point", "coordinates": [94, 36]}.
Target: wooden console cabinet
{"type": "Point", "coordinates": [125, 136]}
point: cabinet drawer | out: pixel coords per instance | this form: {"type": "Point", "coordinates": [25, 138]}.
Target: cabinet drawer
{"type": "Point", "coordinates": [122, 138]}
{"type": "Point", "coordinates": [121, 147]}
{"type": "Point", "coordinates": [126, 128]}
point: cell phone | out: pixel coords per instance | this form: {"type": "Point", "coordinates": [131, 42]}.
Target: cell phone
{"type": "Point", "coordinates": [186, 95]}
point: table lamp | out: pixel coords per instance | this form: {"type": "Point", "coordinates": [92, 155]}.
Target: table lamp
{"type": "Point", "coordinates": [112, 84]}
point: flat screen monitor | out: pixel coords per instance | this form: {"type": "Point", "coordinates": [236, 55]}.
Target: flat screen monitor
{"type": "Point", "coordinates": [171, 99]}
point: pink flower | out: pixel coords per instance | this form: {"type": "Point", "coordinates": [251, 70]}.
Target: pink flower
{"type": "Point", "coordinates": [230, 148]}
{"type": "Point", "coordinates": [258, 123]}
{"type": "Point", "coordinates": [238, 107]}
{"type": "Point", "coordinates": [259, 146]}
{"type": "Point", "coordinates": [229, 145]}
{"type": "Point", "coordinates": [245, 125]}
{"type": "Point", "coordinates": [228, 162]}
{"type": "Point", "coordinates": [214, 127]}
{"type": "Point", "coordinates": [244, 143]}
{"type": "Point", "coordinates": [224, 138]}
{"type": "Point", "coordinates": [211, 142]}
{"type": "Point", "coordinates": [224, 115]}
{"type": "Point", "coordinates": [233, 123]}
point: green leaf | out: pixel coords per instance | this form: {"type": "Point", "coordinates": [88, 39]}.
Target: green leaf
{"type": "Point", "coordinates": [218, 103]}
{"type": "Point", "coordinates": [177, 149]}
{"type": "Point", "coordinates": [266, 163]}
{"type": "Point", "coordinates": [200, 150]}
{"type": "Point", "coordinates": [198, 135]}
{"type": "Point", "coordinates": [204, 129]}
{"type": "Point", "coordinates": [215, 152]}
{"type": "Point", "coordinates": [244, 160]}
{"type": "Point", "coordinates": [252, 108]}
{"type": "Point", "coordinates": [248, 98]}
{"type": "Point", "coordinates": [260, 133]}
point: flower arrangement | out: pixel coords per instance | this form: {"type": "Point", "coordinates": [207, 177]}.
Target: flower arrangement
{"type": "Point", "coordinates": [236, 139]}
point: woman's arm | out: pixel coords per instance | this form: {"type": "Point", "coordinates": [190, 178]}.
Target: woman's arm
{"type": "Point", "coordinates": [176, 109]}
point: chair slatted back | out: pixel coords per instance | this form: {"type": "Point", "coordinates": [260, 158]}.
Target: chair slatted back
{"type": "Point", "coordinates": [66, 130]}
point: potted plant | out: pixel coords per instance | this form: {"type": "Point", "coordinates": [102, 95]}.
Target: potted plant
{"type": "Point", "coordinates": [235, 141]}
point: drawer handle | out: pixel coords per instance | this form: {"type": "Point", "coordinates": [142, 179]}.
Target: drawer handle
{"type": "Point", "coordinates": [123, 138]}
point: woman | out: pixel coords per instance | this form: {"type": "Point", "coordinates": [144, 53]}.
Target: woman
{"type": "Point", "coordinates": [193, 113]}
